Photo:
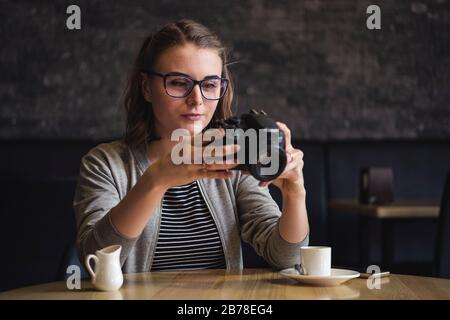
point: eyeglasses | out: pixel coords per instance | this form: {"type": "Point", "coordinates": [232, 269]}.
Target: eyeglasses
{"type": "Point", "coordinates": [179, 85]}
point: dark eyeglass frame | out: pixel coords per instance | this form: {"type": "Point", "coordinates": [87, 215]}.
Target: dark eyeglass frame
{"type": "Point", "coordinates": [199, 82]}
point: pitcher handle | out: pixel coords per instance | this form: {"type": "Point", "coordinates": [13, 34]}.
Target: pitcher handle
{"type": "Point", "coordinates": [88, 266]}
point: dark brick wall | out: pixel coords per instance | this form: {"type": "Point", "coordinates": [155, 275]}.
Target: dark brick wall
{"type": "Point", "coordinates": [312, 64]}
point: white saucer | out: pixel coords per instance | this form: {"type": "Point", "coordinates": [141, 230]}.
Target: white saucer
{"type": "Point", "coordinates": [337, 277]}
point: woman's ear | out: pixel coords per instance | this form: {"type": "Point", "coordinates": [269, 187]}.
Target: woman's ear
{"type": "Point", "coordinates": [145, 87]}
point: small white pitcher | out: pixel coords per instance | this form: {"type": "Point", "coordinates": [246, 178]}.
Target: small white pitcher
{"type": "Point", "coordinates": [108, 273]}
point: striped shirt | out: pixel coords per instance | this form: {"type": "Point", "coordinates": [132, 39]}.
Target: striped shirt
{"type": "Point", "coordinates": [188, 236]}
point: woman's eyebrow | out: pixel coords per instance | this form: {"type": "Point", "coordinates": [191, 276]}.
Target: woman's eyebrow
{"type": "Point", "coordinates": [213, 76]}
{"type": "Point", "coordinates": [176, 73]}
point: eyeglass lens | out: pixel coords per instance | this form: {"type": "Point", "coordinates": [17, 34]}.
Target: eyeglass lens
{"type": "Point", "coordinates": [179, 87]}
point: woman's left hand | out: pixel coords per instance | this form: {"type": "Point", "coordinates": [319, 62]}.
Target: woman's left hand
{"type": "Point", "coordinates": [290, 181]}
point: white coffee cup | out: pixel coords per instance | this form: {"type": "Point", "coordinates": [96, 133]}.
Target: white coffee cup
{"type": "Point", "coordinates": [316, 261]}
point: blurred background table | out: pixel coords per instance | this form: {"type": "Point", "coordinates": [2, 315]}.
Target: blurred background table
{"type": "Point", "coordinates": [238, 284]}
{"type": "Point", "coordinates": [388, 214]}
{"type": "Point", "coordinates": [407, 209]}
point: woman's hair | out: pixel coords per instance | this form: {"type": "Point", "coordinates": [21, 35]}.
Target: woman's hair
{"type": "Point", "coordinates": [140, 117]}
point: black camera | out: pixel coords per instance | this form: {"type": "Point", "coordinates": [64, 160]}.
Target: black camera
{"type": "Point", "coordinates": [263, 141]}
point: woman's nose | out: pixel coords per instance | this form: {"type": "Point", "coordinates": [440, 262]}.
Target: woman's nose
{"type": "Point", "coordinates": [195, 97]}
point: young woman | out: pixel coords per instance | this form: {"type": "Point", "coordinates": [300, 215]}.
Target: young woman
{"type": "Point", "coordinates": [185, 216]}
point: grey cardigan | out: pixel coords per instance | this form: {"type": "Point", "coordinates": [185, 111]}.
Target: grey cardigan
{"type": "Point", "coordinates": [240, 209]}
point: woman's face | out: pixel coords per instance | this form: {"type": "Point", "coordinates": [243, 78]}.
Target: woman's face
{"type": "Point", "coordinates": [192, 112]}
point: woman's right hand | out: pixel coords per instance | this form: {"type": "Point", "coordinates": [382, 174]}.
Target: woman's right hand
{"type": "Point", "coordinates": [166, 174]}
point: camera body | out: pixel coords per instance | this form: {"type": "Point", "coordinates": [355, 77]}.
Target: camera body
{"type": "Point", "coordinates": [270, 159]}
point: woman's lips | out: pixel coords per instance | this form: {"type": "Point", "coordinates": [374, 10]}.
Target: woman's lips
{"type": "Point", "coordinates": [192, 116]}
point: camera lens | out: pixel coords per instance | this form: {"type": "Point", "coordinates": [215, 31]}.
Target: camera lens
{"type": "Point", "coordinates": [267, 168]}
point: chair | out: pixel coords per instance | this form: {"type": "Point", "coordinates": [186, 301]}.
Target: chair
{"type": "Point", "coordinates": [442, 254]}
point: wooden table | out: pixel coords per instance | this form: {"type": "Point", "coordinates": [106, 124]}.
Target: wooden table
{"type": "Point", "coordinates": [247, 284]}
{"type": "Point", "coordinates": [399, 211]}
